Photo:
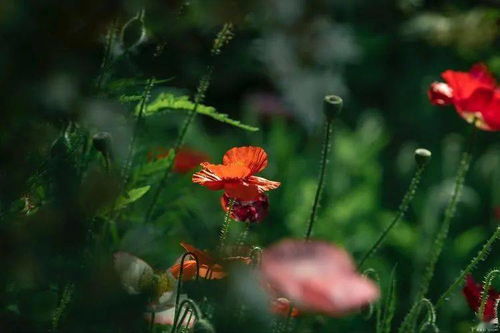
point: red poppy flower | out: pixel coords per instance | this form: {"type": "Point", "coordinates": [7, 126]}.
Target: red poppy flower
{"type": "Point", "coordinates": [185, 160]}
{"type": "Point", "coordinates": [252, 211]}
{"type": "Point", "coordinates": [496, 213]}
{"type": "Point", "coordinates": [474, 94]}
{"type": "Point", "coordinates": [236, 174]}
{"type": "Point", "coordinates": [316, 277]}
{"type": "Point", "coordinates": [472, 292]}
{"type": "Point", "coordinates": [209, 267]}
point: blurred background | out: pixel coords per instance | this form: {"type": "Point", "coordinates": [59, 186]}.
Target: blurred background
{"type": "Point", "coordinates": [74, 68]}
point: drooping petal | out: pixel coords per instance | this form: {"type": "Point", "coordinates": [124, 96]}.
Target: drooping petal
{"type": "Point", "coordinates": [255, 158]}
{"type": "Point", "coordinates": [440, 93]}
{"type": "Point", "coordinates": [263, 184]}
{"type": "Point", "coordinates": [316, 277]}
{"type": "Point", "coordinates": [208, 179]}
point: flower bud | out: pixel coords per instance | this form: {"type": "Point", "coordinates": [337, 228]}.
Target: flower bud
{"type": "Point", "coordinates": [332, 106]}
{"type": "Point", "coordinates": [422, 156]}
{"type": "Point", "coordinates": [102, 143]}
{"type": "Point", "coordinates": [133, 32]}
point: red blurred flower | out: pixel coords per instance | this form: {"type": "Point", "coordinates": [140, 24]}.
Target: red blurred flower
{"type": "Point", "coordinates": [496, 213]}
{"type": "Point", "coordinates": [282, 306]}
{"type": "Point", "coordinates": [210, 268]}
{"type": "Point", "coordinates": [252, 211]}
{"type": "Point", "coordinates": [186, 159]}
{"type": "Point", "coordinates": [316, 277]}
{"type": "Point", "coordinates": [474, 94]}
{"type": "Point", "coordinates": [236, 174]}
{"type": "Point", "coordinates": [472, 292]}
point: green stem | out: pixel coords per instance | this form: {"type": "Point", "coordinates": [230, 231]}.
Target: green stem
{"type": "Point", "coordinates": [405, 203]}
{"type": "Point", "coordinates": [225, 226]}
{"type": "Point", "coordinates": [144, 99]}
{"type": "Point", "coordinates": [445, 225]}
{"type": "Point", "coordinates": [200, 94]}
{"type": "Point", "coordinates": [479, 257]}
{"type": "Point", "coordinates": [321, 180]}
{"type": "Point", "coordinates": [485, 293]}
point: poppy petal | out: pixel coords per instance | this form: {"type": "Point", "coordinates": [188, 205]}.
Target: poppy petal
{"type": "Point", "coordinates": [263, 184]}
{"type": "Point", "coordinates": [208, 179]}
{"type": "Point", "coordinates": [255, 158]}
{"type": "Point", "coordinates": [228, 172]}
{"type": "Point", "coordinates": [242, 191]}
{"type": "Point", "coordinates": [188, 270]}
{"type": "Point", "coordinates": [202, 256]}
{"type": "Point", "coordinates": [440, 93]}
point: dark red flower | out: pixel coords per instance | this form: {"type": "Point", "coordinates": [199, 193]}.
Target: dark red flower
{"type": "Point", "coordinates": [472, 292]}
{"type": "Point", "coordinates": [251, 211]}
{"type": "Point", "coordinates": [474, 94]}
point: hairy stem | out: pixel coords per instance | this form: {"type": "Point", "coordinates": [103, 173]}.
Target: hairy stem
{"type": "Point", "coordinates": [405, 203]}
{"type": "Point", "coordinates": [479, 257]}
{"type": "Point", "coordinates": [324, 161]}
{"type": "Point", "coordinates": [225, 225]}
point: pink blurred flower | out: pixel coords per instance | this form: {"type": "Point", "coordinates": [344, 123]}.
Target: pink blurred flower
{"type": "Point", "coordinates": [316, 277]}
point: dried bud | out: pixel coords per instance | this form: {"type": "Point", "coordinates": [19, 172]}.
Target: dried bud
{"type": "Point", "coordinates": [422, 156]}
{"type": "Point", "coordinates": [332, 106]}
{"type": "Point", "coordinates": [102, 143]}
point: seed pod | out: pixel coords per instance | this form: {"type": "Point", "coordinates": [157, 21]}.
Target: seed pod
{"type": "Point", "coordinates": [102, 143]}
{"type": "Point", "coordinates": [422, 156]}
{"type": "Point", "coordinates": [332, 106]}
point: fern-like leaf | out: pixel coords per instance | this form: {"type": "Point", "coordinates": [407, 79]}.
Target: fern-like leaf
{"type": "Point", "coordinates": [168, 101]}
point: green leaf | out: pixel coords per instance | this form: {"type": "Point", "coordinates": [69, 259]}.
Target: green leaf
{"type": "Point", "coordinates": [121, 85]}
{"type": "Point", "coordinates": [151, 168]}
{"type": "Point", "coordinates": [167, 101]}
{"type": "Point", "coordinates": [131, 196]}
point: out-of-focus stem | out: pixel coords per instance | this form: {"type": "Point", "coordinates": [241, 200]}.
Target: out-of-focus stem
{"type": "Point", "coordinates": [403, 207]}
{"type": "Point", "coordinates": [332, 107]}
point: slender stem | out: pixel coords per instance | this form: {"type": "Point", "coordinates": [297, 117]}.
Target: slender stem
{"type": "Point", "coordinates": [142, 107]}
{"type": "Point", "coordinates": [486, 291]}
{"type": "Point", "coordinates": [202, 88]}
{"type": "Point", "coordinates": [324, 162]}
{"type": "Point", "coordinates": [479, 257]}
{"type": "Point", "coordinates": [445, 226]}
{"type": "Point", "coordinates": [225, 226]}
{"type": "Point", "coordinates": [405, 203]}
{"type": "Point", "coordinates": [152, 323]}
